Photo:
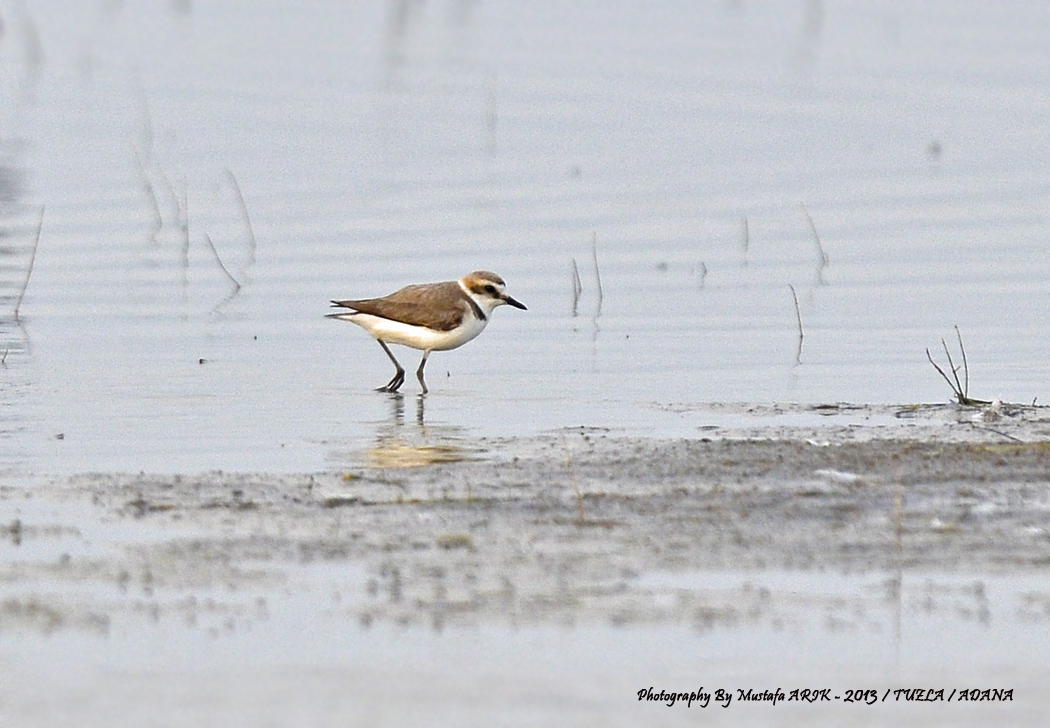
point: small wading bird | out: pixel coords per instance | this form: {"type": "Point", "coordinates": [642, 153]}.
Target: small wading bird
{"type": "Point", "coordinates": [429, 317]}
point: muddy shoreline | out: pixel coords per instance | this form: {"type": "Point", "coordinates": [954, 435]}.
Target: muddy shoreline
{"type": "Point", "coordinates": [438, 575]}
{"type": "Point", "coordinates": [552, 528]}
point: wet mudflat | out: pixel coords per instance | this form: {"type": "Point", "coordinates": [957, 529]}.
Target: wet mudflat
{"type": "Point", "coordinates": [926, 550]}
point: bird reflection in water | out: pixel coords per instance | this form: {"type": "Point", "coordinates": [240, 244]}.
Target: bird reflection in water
{"type": "Point", "coordinates": [401, 445]}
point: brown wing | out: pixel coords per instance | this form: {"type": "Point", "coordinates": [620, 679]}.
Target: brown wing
{"type": "Point", "coordinates": [438, 306]}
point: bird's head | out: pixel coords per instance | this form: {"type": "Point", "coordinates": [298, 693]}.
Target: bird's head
{"type": "Point", "coordinates": [488, 290]}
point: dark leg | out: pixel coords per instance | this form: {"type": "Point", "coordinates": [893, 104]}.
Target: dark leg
{"type": "Point", "coordinates": [399, 377]}
{"type": "Point", "coordinates": [419, 372]}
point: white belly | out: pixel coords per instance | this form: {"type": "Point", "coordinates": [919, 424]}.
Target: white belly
{"type": "Point", "coordinates": [417, 337]}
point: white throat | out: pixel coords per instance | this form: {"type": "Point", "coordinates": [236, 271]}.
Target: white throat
{"type": "Point", "coordinates": [485, 304]}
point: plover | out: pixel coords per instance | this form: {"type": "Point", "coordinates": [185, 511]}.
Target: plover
{"type": "Point", "coordinates": [429, 317]}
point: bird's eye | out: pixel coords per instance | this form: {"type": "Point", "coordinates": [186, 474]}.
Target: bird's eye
{"type": "Point", "coordinates": [490, 289]}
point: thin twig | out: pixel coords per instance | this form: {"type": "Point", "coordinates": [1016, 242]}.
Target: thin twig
{"type": "Point", "coordinates": [598, 308]}
{"type": "Point", "coordinates": [247, 222]}
{"type": "Point", "coordinates": [597, 273]}
{"type": "Point", "coordinates": [577, 287]}
{"type": "Point", "coordinates": [234, 281]}
{"type": "Point", "coordinates": [29, 269]}
{"type": "Point", "coordinates": [955, 373]}
{"type": "Point", "coordinates": [1007, 435]}
{"type": "Point", "coordinates": [798, 317]}
{"type": "Point", "coordinates": [941, 372]}
{"type": "Point", "coordinates": [966, 367]}
{"type": "Point", "coordinates": [961, 389]}
{"type": "Point", "coordinates": [151, 195]}
{"type": "Point", "coordinates": [821, 255]}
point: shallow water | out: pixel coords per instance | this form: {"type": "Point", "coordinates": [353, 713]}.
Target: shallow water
{"type": "Point", "coordinates": [211, 175]}
{"type": "Point", "coordinates": [391, 143]}
{"type": "Point", "coordinates": [250, 668]}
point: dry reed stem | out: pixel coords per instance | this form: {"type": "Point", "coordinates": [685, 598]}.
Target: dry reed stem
{"type": "Point", "coordinates": [961, 389]}
{"type": "Point", "coordinates": [577, 287]}
{"type": "Point", "coordinates": [798, 318]}
{"type": "Point", "coordinates": [29, 268]}
{"type": "Point", "coordinates": [822, 256]}
{"type": "Point", "coordinates": [214, 252]}
{"type": "Point", "coordinates": [597, 273]}
{"type": "Point", "coordinates": [247, 221]}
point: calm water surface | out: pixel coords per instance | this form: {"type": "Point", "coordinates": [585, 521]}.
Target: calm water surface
{"type": "Point", "coordinates": [687, 149]}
